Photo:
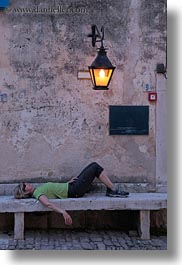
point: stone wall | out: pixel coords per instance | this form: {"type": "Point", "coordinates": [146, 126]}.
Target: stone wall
{"type": "Point", "coordinates": [52, 124]}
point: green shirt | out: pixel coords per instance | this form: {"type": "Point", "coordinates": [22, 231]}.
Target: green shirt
{"type": "Point", "coordinates": [52, 190]}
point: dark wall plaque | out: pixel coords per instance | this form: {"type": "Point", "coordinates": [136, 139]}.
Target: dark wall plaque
{"type": "Point", "coordinates": [128, 120]}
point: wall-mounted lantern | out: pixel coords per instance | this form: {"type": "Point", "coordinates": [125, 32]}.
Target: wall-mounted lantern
{"type": "Point", "coordinates": [4, 3]}
{"type": "Point", "coordinates": [101, 70]}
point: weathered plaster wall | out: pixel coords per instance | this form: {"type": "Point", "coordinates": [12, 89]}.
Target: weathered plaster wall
{"type": "Point", "coordinates": [53, 124]}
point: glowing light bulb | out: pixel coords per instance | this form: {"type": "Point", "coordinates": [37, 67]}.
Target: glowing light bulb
{"type": "Point", "coordinates": [102, 73]}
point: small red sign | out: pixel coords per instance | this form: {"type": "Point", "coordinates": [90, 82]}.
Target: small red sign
{"type": "Point", "coordinates": [152, 96]}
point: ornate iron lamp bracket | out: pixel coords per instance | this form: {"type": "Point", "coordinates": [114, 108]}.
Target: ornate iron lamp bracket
{"type": "Point", "coordinates": [96, 35]}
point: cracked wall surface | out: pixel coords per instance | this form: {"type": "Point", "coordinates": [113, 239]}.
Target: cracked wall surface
{"type": "Point", "coordinates": [53, 124]}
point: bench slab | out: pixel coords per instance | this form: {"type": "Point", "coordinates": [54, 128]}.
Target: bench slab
{"type": "Point", "coordinates": [135, 201]}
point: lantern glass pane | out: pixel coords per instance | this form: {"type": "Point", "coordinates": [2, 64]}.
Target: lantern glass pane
{"type": "Point", "coordinates": [92, 76]}
{"type": "Point", "coordinates": [102, 76]}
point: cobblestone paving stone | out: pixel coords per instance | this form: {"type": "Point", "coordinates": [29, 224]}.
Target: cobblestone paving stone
{"type": "Point", "coordinates": [81, 240]}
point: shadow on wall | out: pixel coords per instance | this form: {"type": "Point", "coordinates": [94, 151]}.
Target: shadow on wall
{"type": "Point", "coordinates": [116, 220]}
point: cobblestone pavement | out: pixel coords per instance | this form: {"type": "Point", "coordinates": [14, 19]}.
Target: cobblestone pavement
{"type": "Point", "coordinates": [82, 240]}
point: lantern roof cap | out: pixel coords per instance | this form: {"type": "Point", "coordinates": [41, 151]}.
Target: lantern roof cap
{"type": "Point", "coordinates": [102, 61]}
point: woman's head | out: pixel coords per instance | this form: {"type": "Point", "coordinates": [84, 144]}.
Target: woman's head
{"type": "Point", "coordinates": [23, 190]}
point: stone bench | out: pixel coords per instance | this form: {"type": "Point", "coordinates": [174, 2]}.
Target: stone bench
{"type": "Point", "coordinates": [143, 202]}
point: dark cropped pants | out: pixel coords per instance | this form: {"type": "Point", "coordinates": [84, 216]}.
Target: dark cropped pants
{"type": "Point", "coordinates": [79, 187]}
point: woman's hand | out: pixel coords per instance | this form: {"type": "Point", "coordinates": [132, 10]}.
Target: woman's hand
{"type": "Point", "coordinates": [67, 218]}
{"type": "Point", "coordinates": [45, 201]}
{"type": "Point", "coordinates": [73, 180]}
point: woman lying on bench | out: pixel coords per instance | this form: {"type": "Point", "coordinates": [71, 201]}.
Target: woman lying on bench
{"type": "Point", "coordinates": [75, 188]}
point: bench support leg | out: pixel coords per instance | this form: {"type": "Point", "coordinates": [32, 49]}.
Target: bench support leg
{"type": "Point", "coordinates": [19, 226]}
{"type": "Point", "coordinates": [144, 228]}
